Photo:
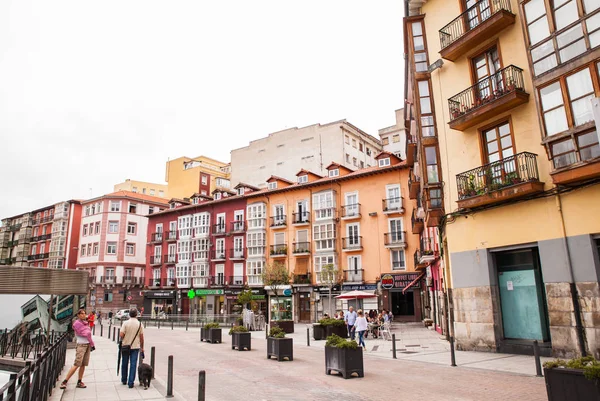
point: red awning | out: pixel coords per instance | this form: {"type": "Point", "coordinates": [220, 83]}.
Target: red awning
{"type": "Point", "coordinates": [415, 281]}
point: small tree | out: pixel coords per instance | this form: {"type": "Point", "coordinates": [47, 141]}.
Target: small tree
{"type": "Point", "coordinates": [276, 276]}
{"type": "Point", "coordinates": [331, 275]}
{"type": "Point", "coordinates": [245, 297]}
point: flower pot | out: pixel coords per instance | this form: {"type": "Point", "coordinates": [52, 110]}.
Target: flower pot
{"type": "Point", "coordinates": [345, 361]}
{"type": "Point", "coordinates": [318, 332]}
{"type": "Point", "coordinates": [285, 325]}
{"type": "Point", "coordinates": [341, 331]}
{"type": "Point", "coordinates": [280, 348]}
{"type": "Point", "coordinates": [210, 335]}
{"type": "Point", "coordinates": [564, 384]}
{"type": "Point", "coordinates": [241, 341]}
{"type": "Point", "coordinates": [203, 334]}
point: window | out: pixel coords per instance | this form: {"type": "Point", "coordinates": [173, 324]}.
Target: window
{"type": "Point", "coordinates": [240, 191]}
{"type": "Point", "coordinates": [574, 149]}
{"type": "Point", "coordinates": [113, 227]}
{"type": "Point", "coordinates": [321, 261]}
{"type": "Point", "coordinates": [347, 158]}
{"type": "Point", "coordinates": [385, 140]}
{"type": "Point", "coordinates": [203, 192]}
{"type": "Point", "coordinates": [360, 147]}
{"type": "Point", "coordinates": [131, 228]}
{"type": "Point", "coordinates": [85, 230]}
{"type": "Point", "coordinates": [111, 248]}
{"type": "Point", "coordinates": [255, 243]}
{"type": "Point", "coordinates": [354, 143]}
{"type": "Point", "coordinates": [334, 172]}
{"type": "Point", "coordinates": [161, 193]}
{"type": "Point", "coordinates": [83, 250]}
{"type": "Point", "coordinates": [130, 249]}
{"type": "Point", "coordinates": [254, 270]}
{"type": "Point", "coordinates": [435, 198]}
{"type": "Point", "coordinates": [184, 226]}
{"type": "Point", "coordinates": [347, 139]}
{"type": "Point", "coordinates": [108, 297]}
{"type": "Point", "coordinates": [368, 151]}
{"type": "Point", "coordinates": [222, 182]}
{"type": "Point", "coordinates": [152, 192]}
{"type": "Point", "coordinates": [256, 214]}
{"type": "Point", "coordinates": [362, 164]}
{"type": "Point", "coordinates": [354, 162]}
{"type": "Point", "coordinates": [89, 249]}
{"type": "Point", "coordinates": [324, 236]}
{"type": "Point", "coordinates": [384, 162]}
{"type": "Point", "coordinates": [184, 250]}
{"type": "Point", "coordinates": [95, 249]}
{"type": "Point", "coordinates": [217, 196]}
{"type": "Point", "coordinates": [97, 228]}
{"type": "Point", "coordinates": [132, 208]}
{"type": "Point", "coordinates": [486, 67]}
{"type": "Point", "coordinates": [432, 167]}
{"type": "Point", "coordinates": [420, 55]}
{"type": "Point", "coordinates": [273, 185]}
{"type": "Point", "coordinates": [183, 275]}
{"type": "Point", "coordinates": [498, 143]}
{"type": "Point", "coordinates": [398, 261]}
{"type": "Point", "coordinates": [134, 190]}
{"type": "Point", "coordinates": [302, 179]}
{"type": "Point", "coordinates": [204, 179]}
{"type": "Point", "coordinates": [396, 138]}
{"type": "Point", "coordinates": [115, 206]}
{"type": "Point", "coordinates": [537, 22]}
{"type": "Point", "coordinates": [324, 205]}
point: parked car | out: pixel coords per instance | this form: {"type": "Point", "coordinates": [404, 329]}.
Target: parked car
{"type": "Point", "coordinates": [122, 314]}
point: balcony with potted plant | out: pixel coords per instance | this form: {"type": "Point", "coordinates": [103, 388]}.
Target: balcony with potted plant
{"type": "Point", "coordinates": [279, 251]}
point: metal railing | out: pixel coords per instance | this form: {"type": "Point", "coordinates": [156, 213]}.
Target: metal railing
{"type": "Point", "coordinates": [349, 243]}
{"type": "Point", "coordinates": [238, 226]}
{"type": "Point", "coordinates": [278, 221]}
{"type": "Point", "coordinates": [301, 218]}
{"type": "Point", "coordinates": [302, 279]}
{"type": "Point", "coordinates": [353, 276]}
{"type": "Point", "coordinates": [278, 249]}
{"type": "Point", "coordinates": [234, 280]}
{"type": "Point", "coordinates": [486, 90]}
{"type": "Point", "coordinates": [108, 280]}
{"type": "Point", "coordinates": [219, 229]}
{"type": "Point", "coordinates": [171, 235]}
{"type": "Point", "coordinates": [394, 238]}
{"type": "Point", "coordinates": [44, 237]}
{"type": "Point", "coordinates": [416, 220]}
{"type": "Point", "coordinates": [471, 19]}
{"type": "Point", "coordinates": [156, 237]}
{"type": "Point", "coordinates": [351, 210]}
{"type": "Point", "coordinates": [170, 258]}
{"type": "Point", "coordinates": [491, 177]}
{"type": "Point", "coordinates": [393, 204]}
{"type": "Point", "coordinates": [217, 254]}
{"type": "Point", "coordinates": [162, 282]}
{"type": "Point", "coordinates": [155, 259]}
{"type": "Point", "coordinates": [237, 253]}
{"type": "Point", "coordinates": [301, 247]}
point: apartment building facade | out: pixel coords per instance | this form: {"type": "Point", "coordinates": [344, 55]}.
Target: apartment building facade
{"type": "Point", "coordinates": [112, 247]}
{"type": "Point", "coordinates": [43, 237]}
{"type": "Point", "coordinates": [504, 90]}
{"type": "Point", "coordinates": [393, 138]}
{"type": "Point", "coordinates": [186, 176]}
{"type": "Point", "coordinates": [144, 188]}
{"type": "Point", "coordinates": [311, 148]}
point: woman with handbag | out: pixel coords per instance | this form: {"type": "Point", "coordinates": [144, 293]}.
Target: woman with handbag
{"type": "Point", "coordinates": [132, 342]}
{"type": "Point", "coordinates": [85, 345]}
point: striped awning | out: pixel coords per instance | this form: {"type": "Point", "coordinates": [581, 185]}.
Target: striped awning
{"type": "Point", "coordinates": [415, 281]}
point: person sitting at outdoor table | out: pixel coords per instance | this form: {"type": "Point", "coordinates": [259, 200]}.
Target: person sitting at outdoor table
{"type": "Point", "coordinates": [386, 317]}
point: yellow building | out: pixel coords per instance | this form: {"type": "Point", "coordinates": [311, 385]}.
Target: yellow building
{"type": "Point", "coordinates": [186, 176]}
{"type": "Point", "coordinates": [141, 187]}
{"type": "Point", "coordinates": [500, 96]}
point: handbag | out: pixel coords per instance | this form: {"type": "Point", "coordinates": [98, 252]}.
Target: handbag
{"type": "Point", "coordinates": [126, 349]}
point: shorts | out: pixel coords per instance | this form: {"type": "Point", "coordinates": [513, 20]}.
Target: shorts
{"type": "Point", "coordinates": [82, 355]}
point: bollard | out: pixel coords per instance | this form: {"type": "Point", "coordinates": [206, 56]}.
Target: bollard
{"type": "Point", "coordinates": [109, 327]}
{"type": "Point", "coordinates": [159, 324]}
{"type": "Point", "coordinates": [171, 325]}
{"type": "Point", "coordinates": [152, 354]}
{"type": "Point", "coordinates": [118, 334]}
{"type": "Point", "coordinates": [94, 330]}
{"type": "Point", "coordinates": [101, 330]}
{"type": "Point", "coordinates": [307, 337]}
{"type": "Point", "coordinates": [170, 378]}
{"type": "Point", "coordinates": [114, 332]}
{"type": "Point", "coordinates": [267, 330]}
{"type": "Point", "coordinates": [145, 323]}
{"type": "Point", "coordinates": [186, 325]}
{"type": "Point", "coordinates": [394, 346]}
{"type": "Point", "coordinates": [452, 356]}
{"type": "Point", "coordinates": [202, 386]}
{"type": "Point", "coordinates": [536, 354]}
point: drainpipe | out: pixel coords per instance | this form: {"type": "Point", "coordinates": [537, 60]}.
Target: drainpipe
{"type": "Point", "coordinates": [573, 287]}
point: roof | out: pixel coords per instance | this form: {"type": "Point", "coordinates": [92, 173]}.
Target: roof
{"type": "Point", "coordinates": [131, 195]}
{"type": "Point", "coordinates": [303, 171]}
{"type": "Point", "coordinates": [276, 178]}
{"type": "Point", "coordinates": [385, 154]}
{"type": "Point", "coordinates": [244, 185]}
{"type": "Point", "coordinates": [221, 189]}
{"type": "Point", "coordinates": [197, 195]}
{"type": "Point", "coordinates": [177, 200]}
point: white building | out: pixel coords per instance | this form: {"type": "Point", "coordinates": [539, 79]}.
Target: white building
{"type": "Point", "coordinates": [393, 138]}
{"type": "Point", "coordinates": [312, 148]}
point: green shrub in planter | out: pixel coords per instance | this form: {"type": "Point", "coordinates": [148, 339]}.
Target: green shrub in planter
{"type": "Point", "coordinates": [211, 332]}
{"type": "Point", "coordinates": [574, 380]}
{"type": "Point", "coordinates": [238, 329]}
{"type": "Point", "coordinates": [334, 326]}
{"type": "Point", "coordinates": [343, 356]}
{"type": "Point", "coordinates": [276, 332]}
{"type": "Point", "coordinates": [213, 325]}
{"type": "Point", "coordinates": [241, 338]}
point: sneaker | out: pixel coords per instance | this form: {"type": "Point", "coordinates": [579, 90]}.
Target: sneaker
{"type": "Point", "coordinates": [63, 385]}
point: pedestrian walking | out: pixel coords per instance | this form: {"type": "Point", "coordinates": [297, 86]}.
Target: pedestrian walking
{"type": "Point", "coordinates": [361, 328]}
{"type": "Point", "coordinates": [91, 319]}
{"type": "Point", "coordinates": [85, 345]}
{"type": "Point", "coordinates": [132, 343]}
{"type": "Point", "coordinates": [350, 319]}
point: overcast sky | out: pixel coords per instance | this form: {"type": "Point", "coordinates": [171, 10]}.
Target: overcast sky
{"type": "Point", "coordinates": [92, 93]}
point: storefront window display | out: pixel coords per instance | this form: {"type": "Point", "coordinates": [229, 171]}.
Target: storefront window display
{"type": "Point", "coordinates": [281, 309]}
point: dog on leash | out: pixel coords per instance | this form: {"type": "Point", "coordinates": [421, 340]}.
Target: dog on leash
{"type": "Point", "coordinates": [145, 375]}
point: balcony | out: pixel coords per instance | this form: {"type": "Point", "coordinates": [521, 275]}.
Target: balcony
{"type": "Point", "coordinates": [171, 236]}
{"type": "Point", "coordinates": [411, 149]}
{"type": "Point", "coordinates": [216, 281]}
{"type": "Point", "coordinates": [470, 29]}
{"type": "Point", "coordinates": [396, 239]}
{"type": "Point", "coordinates": [154, 282]}
{"type": "Point", "coordinates": [417, 223]}
{"type": "Point", "coordinates": [301, 248]}
{"type": "Point", "coordinates": [14, 227]}
{"type": "Point", "coordinates": [350, 244]}
{"type": "Point", "coordinates": [170, 259]}
{"type": "Point", "coordinates": [353, 276]}
{"type": "Point", "coordinates": [278, 251]}
{"type": "Point", "coordinates": [169, 282]}
{"type": "Point", "coordinates": [255, 280]}
{"type": "Point", "coordinates": [219, 229]}
{"type": "Point", "coordinates": [39, 238]}
{"type": "Point", "coordinates": [237, 253]}
{"type": "Point", "coordinates": [155, 260]}
{"type": "Point", "coordinates": [161, 282]}
{"type": "Point", "coordinates": [7, 261]}
{"type": "Point", "coordinates": [200, 282]}
{"type": "Point", "coordinates": [351, 212]}
{"type": "Point", "coordinates": [511, 178]}
{"type": "Point", "coordinates": [393, 205]}
{"type": "Point", "coordinates": [108, 280]}
{"type": "Point", "coordinates": [217, 254]}
{"type": "Point", "coordinates": [278, 221]}
{"type": "Point", "coordinates": [302, 279]}
{"type": "Point", "coordinates": [328, 213]}
{"type": "Point", "coordinates": [414, 185]}
{"type": "Point", "coordinates": [238, 227]}
{"type": "Point", "coordinates": [423, 258]}
{"type": "Point", "coordinates": [13, 243]}
{"type": "Point", "coordinates": [489, 97]}
{"type": "Point", "coordinates": [38, 256]}
{"type": "Point", "coordinates": [301, 219]}
{"type": "Point", "coordinates": [156, 237]}
{"type": "Point", "coordinates": [434, 206]}
{"type": "Point", "coordinates": [234, 281]}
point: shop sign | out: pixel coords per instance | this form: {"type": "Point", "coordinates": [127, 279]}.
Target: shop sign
{"type": "Point", "coordinates": [238, 291]}
{"type": "Point", "coordinates": [359, 287]}
{"type": "Point", "coordinates": [287, 292]}
{"type": "Point", "coordinates": [210, 292]}
{"type": "Point", "coordinates": [159, 294]}
{"type": "Point", "coordinates": [336, 288]}
{"type": "Point", "coordinates": [397, 281]}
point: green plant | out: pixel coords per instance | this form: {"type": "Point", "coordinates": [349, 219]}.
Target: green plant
{"type": "Point", "coordinates": [238, 329]}
{"type": "Point", "coordinates": [245, 297]}
{"type": "Point", "coordinates": [589, 365]}
{"type": "Point", "coordinates": [276, 276]}
{"type": "Point", "coordinates": [276, 332]}
{"type": "Point", "coordinates": [331, 322]}
{"type": "Point", "coordinates": [339, 342]}
{"type": "Point", "coordinates": [213, 325]}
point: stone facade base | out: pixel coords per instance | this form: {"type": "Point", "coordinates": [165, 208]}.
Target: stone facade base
{"type": "Point", "coordinates": [474, 318]}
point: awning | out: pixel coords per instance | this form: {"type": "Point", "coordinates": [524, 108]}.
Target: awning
{"type": "Point", "coordinates": [412, 283]}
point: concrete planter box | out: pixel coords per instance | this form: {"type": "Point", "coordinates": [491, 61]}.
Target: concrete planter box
{"type": "Point", "coordinates": [210, 335]}
{"type": "Point", "coordinates": [241, 341]}
{"type": "Point", "coordinates": [280, 348]}
{"type": "Point", "coordinates": [570, 385]}
{"type": "Point", "coordinates": [285, 325]}
{"type": "Point", "coordinates": [318, 332]}
{"type": "Point", "coordinates": [345, 361]}
{"type": "Point", "coordinates": [341, 331]}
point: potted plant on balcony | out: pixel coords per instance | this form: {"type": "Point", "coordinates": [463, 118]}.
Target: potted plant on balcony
{"type": "Point", "coordinates": [211, 332]}
{"type": "Point", "coordinates": [279, 346]}
{"type": "Point", "coordinates": [343, 356]}
{"type": "Point", "coordinates": [240, 338]}
{"type": "Point", "coordinates": [574, 380]}
{"type": "Point", "coordinates": [276, 276]}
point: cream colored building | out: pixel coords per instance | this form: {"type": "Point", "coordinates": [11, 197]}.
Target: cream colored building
{"type": "Point", "coordinates": [393, 138]}
{"type": "Point", "coordinates": [144, 188]}
{"type": "Point", "coordinates": [187, 176]}
{"type": "Point", "coordinates": [312, 148]}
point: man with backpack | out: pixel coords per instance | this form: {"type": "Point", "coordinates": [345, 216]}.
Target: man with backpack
{"type": "Point", "coordinates": [132, 343]}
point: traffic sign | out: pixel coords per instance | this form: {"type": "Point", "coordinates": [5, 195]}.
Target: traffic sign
{"type": "Point", "coordinates": [129, 298]}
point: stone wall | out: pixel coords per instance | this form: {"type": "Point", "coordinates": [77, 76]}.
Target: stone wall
{"type": "Point", "coordinates": [474, 318]}
{"type": "Point", "coordinates": [561, 316]}
{"type": "Point", "coordinates": [589, 300]}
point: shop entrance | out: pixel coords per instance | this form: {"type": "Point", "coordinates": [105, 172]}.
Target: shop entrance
{"type": "Point", "coordinates": [403, 304]}
{"type": "Point", "coordinates": [304, 308]}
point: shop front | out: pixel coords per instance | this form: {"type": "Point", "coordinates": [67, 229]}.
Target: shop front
{"type": "Point", "coordinates": [160, 303]}
{"type": "Point", "coordinates": [304, 301]}
{"type": "Point", "coordinates": [281, 307]}
{"type": "Point", "coordinates": [206, 302]}
{"type": "Point", "coordinates": [258, 300]}
{"type": "Point", "coordinates": [402, 295]}
{"type": "Point", "coordinates": [323, 301]}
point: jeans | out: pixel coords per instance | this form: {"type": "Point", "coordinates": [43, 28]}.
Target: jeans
{"type": "Point", "coordinates": [130, 359]}
{"type": "Point", "coordinates": [351, 332]}
{"type": "Point", "coordinates": [361, 338]}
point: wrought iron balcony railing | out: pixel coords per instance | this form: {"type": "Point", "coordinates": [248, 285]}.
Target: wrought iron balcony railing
{"type": "Point", "coordinates": [393, 204]}
{"type": "Point", "coordinates": [278, 221]}
{"type": "Point", "coordinates": [237, 253]}
{"type": "Point", "coordinates": [301, 218]}
{"type": "Point", "coordinates": [301, 247]}
{"type": "Point", "coordinates": [156, 237]}
{"type": "Point", "coordinates": [353, 276]}
{"type": "Point", "coordinates": [155, 259]}
{"type": "Point", "coordinates": [219, 229]}
{"type": "Point", "coordinates": [217, 254]}
{"type": "Point", "coordinates": [395, 238]}
{"type": "Point", "coordinates": [171, 235]}
{"type": "Point", "coordinates": [279, 250]}
{"type": "Point", "coordinates": [170, 258]}
{"type": "Point", "coordinates": [352, 243]}
{"type": "Point", "coordinates": [238, 226]}
{"type": "Point", "coordinates": [302, 278]}
{"type": "Point", "coordinates": [350, 211]}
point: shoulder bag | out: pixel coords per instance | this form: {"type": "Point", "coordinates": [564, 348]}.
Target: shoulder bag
{"type": "Point", "coordinates": [126, 349]}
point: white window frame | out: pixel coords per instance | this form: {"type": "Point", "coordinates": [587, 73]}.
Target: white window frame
{"type": "Point", "coordinates": [320, 261]}
{"type": "Point", "coordinates": [113, 227]}
{"type": "Point", "coordinates": [183, 275]}
{"type": "Point", "coordinates": [111, 245]}
{"type": "Point", "coordinates": [255, 243]}
{"type": "Point", "coordinates": [384, 162]}
{"type": "Point", "coordinates": [351, 209]}
{"type": "Point", "coordinates": [334, 172]}
{"type": "Point", "coordinates": [256, 215]}
{"type": "Point", "coordinates": [254, 270]}
{"type": "Point", "coordinates": [398, 252]}
{"type": "Point", "coordinates": [128, 246]}
{"type": "Point", "coordinates": [115, 206]}
{"type": "Point", "coordinates": [303, 179]}
{"type": "Point", "coordinates": [324, 236]}
{"type": "Point", "coordinates": [354, 271]}
{"type": "Point", "coordinates": [272, 185]}
{"type": "Point", "coordinates": [324, 205]}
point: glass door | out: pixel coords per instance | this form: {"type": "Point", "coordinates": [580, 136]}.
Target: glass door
{"type": "Point", "coordinates": [477, 14]}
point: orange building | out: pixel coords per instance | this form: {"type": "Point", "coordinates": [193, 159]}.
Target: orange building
{"type": "Point", "coordinates": [356, 220]}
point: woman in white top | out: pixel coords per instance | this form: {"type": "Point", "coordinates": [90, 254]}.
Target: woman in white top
{"type": "Point", "coordinates": [361, 327]}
